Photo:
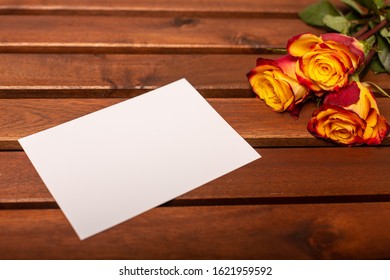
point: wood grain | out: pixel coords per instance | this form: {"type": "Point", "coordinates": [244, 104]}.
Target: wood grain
{"type": "Point", "coordinates": [250, 117]}
{"type": "Point", "coordinates": [151, 7]}
{"type": "Point", "coordinates": [280, 176]}
{"type": "Point", "coordinates": [138, 34]}
{"type": "Point", "coordinates": [304, 199]}
{"type": "Point", "coordinates": [85, 75]}
{"type": "Point", "coordinates": [330, 231]}
{"type": "Point", "coordinates": [117, 75]}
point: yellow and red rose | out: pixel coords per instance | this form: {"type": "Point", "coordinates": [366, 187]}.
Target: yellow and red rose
{"type": "Point", "coordinates": [323, 66]}
{"type": "Point", "coordinates": [274, 81]}
{"type": "Point", "coordinates": [325, 63]}
{"type": "Point", "coordinates": [350, 116]}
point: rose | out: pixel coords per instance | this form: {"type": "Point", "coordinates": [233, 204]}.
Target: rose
{"type": "Point", "coordinates": [326, 62]}
{"type": "Point", "coordinates": [350, 116]}
{"type": "Point", "coordinates": [274, 81]}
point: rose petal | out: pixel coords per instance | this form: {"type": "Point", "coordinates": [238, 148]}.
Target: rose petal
{"type": "Point", "coordinates": [303, 79]}
{"type": "Point", "coordinates": [365, 103]}
{"type": "Point", "coordinates": [287, 64]}
{"type": "Point", "coordinates": [344, 97]}
{"type": "Point", "coordinates": [354, 45]}
{"type": "Point", "coordinates": [299, 45]}
{"type": "Point", "coordinates": [377, 128]}
{"type": "Point", "coordinates": [266, 61]}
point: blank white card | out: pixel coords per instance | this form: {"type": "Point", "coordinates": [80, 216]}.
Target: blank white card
{"type": "Point", "coordinates": [113, 164]}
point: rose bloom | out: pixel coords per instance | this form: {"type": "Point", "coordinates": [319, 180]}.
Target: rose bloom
{"type": "Point", "coordinates": [326, 62]}
{"type": "Point", "coordinates": [274, 81]}
{"type": "Point", "coordinates": [350, 116]}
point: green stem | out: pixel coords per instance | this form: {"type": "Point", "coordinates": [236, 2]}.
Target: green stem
{"type": "Point", "coordinates": [275, 50]}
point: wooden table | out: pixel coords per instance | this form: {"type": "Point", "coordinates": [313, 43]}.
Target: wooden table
{"type": "Point", "coordinates": [305, 199]}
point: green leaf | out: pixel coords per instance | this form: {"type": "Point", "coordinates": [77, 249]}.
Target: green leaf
{"type": "Point", "coordinates": [385, 34]}
{"type": "Point", "coordinates": [376, 66]}
{"type": "Point", "coordinates": [368, 44]}
{"type": "Point", "coordinates": [354, 19]}
{"type": "Point", "coordinates": [384, 52]}
{"type": "Point", "coordinates": [314, 14]}
{"type": "Point", "coordinates": [387, 15]}
{"type": "Point", "coordinates": [338, 23]}
{"type": "Point", "coordinates": [358, 8]}
{"type": "Point", "coordinates": [379, 3]}
{"type": "Point", "coordinates": [352, 16]}
{"type": "Point", "coordinates": [373, 5]}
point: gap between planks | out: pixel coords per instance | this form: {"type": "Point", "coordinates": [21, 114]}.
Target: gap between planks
{"type": "Point", "coordinates": [281, 176]}
{"type": "Point", "coordinates": [345, 199]}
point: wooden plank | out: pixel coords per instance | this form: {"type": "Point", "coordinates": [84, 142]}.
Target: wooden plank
{"type": "Point", "coordinates": [250, 117]}
{"type": "Point", "coordinates": [83, 75]}
{"type": "Point", "coordinates": [102, 34]}
{"type": "Point", "coordinates": [118, 75]}
{"type": "Point", "coordinates": [280, 176]}
{"type": "Point", "coordinates": [309, 231]}
{"type": "Point", "coordinates": [124, 7]}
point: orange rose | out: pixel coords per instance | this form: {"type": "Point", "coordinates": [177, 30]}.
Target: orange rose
{"type": "Point", "coordinates": [326, 62]}
{"type": "Point", "coordinates": [350, 116]}
{"type": "Point", "coordinates": [274, 81]}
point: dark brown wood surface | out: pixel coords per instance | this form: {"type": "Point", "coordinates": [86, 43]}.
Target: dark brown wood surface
{"type": "Point", "coordinates": [250, 117]}
{"type": "Point", "coordinates": [137, 34]}
{"type": "Point", "coordinates": [304, 199]}
{"type": "Point", "coordinates": [262, 181]}
{"type": "Point", "coordinates": [292, 231]}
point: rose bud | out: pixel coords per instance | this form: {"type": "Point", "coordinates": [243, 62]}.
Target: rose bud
{"type": "Point", "coordinates": [326, 62]}
{"type": "Point", "coordinates": [274, 81]}
{"type": "Point", "coordinates": [350, 116]}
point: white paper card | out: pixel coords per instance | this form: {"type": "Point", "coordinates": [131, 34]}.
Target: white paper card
{"type": "Point", "coordinates": [118, 162]}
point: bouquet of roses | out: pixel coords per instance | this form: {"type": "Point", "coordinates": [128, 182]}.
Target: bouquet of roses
{"type": "Point", "coordinates": [329, 68]}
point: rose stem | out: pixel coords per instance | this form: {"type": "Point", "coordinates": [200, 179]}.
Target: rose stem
{"type": "Point", "coordinates": [372, 31]}
{"type": "Point", "coordinates": [367, 60]}
{"type": "Point", "coordinates": [361, 31]}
